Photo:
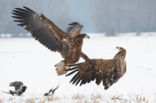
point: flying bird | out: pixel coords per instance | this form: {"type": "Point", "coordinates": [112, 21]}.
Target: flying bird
{"type": "Point", "coordinates": [51, 91]}
{"type": "Point", "coordinates": [100, 70]}
{"type": "Point", "coordinates": [19, 88]}
{"type": "Point", "coordinates": [68, 44]}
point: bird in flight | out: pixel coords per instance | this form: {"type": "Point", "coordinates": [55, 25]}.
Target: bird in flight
{"type": "Point", "coordinates": [100, 70]}
{"type": "Point", "coordinates": [68, 44]}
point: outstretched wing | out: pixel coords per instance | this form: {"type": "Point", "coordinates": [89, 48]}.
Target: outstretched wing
{"type": "Point", "coordinates": [17, 85]}
{"type": "Point", "coordinates": [95, 69]}
{"type": "Point", "coordinates": [107, 71]}
{"type": "Point", "coordinates": [74, 29]}
{"type": "Point", "coordinates": [41, 28]}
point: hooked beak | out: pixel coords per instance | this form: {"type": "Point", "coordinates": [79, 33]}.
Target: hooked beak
{"type": "Point", "coordinates": [81, 26]}
{"type": "Point", "coordinates": [87, 36]}
{"type": "Point", "coordinates": [118, 48]}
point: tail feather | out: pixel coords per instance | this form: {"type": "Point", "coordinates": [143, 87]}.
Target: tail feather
{"type": "Point", "coordinates": [10, 92]}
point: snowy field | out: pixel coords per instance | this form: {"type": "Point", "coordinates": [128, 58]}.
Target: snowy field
{"type": "Point", "coordinates": [24, 59]}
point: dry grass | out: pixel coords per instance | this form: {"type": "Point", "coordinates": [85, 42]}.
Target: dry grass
{"type": "Point", "coordinates": [42, 100]}
{"type": "Point", "coordinates": [119, 99]}
{"type": "Point", "coordinates": [30, 100]}
{"type": "Point", "coordinates": [1, 101]}
{"type": "Point", "coordinates": [49, 99]}
{"type": "Point", "coordinates": [10, 99]}
{"type": "Point", "coordinates": [77, 98]}
{"type": "Point", "coordinates": [140, 99]}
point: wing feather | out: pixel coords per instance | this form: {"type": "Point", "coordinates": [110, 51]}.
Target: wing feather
{"type": "Point", "coordinates": [100, 70]}
{"type": "Point", "coordinates": [94, 69]}
{"type": "Point", "coordinates": [74, 29]}
{"type": "Point", "coordinates": [41, 28]}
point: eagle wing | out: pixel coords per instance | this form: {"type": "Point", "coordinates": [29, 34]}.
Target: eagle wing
{"type": "Point", "coordinates": [74, 29]}
{"type": "Point", "coordinates": [100, 70]}
{"type": "Point", "coordinates": [94, 69]}
{"type": "Point", "coordinates": [107, 71]}
{"type": "Point", "coordinates": [41, 28]}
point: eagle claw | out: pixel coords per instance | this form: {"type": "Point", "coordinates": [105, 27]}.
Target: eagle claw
{"type": "Point", "coordinates": [60, 68]}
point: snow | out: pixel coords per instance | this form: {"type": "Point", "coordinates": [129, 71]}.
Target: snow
{"type": "Point", "coordinates": [25, 59]}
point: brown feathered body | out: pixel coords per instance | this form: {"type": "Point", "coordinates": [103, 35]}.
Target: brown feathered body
{"type": "Point", "coordinates": [74, 50]}
{"type": "Point", "coordinates": [100, 70]}
{"type": "Point", "coordinates": [47, 33]}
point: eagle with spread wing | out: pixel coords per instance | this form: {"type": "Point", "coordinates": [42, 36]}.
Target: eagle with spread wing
{"type": "Point", "coordinates": [100, 70]}
{"type": "Point", "coordinates": [68, 44]}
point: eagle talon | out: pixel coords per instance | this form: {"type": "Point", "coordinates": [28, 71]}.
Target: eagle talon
{"type": "Point", "coordinates": [59, 64]}
{"type": "Point", "coordinates": [65, 70]}
{"type": "Point", "coordinates": [60, 68]}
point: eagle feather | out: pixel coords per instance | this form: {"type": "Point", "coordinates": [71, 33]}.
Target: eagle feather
{"type": "Point", "coordinates": [51, 36]}
{"type": "Point", "coordinates": [100, 70]}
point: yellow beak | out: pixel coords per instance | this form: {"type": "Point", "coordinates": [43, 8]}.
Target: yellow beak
{"type": "Point", "coordinates": [118, 48]}
{"type": "Point", "coordinates": [87, 36]}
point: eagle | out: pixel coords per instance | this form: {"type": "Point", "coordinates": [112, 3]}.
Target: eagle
{"type": "Point", "coordinates": [68, 44]}
{"type": "Point", "coordinates": [100, 70]}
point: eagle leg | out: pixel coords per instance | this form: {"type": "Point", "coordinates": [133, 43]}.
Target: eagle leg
{"type": "Point", "coordinates": [59, 64]}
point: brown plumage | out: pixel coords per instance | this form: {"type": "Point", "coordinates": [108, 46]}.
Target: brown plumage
{"type": "Point", "coordinates": [100, 70]}
{"type": "Point", "coordinates": [47, 33]}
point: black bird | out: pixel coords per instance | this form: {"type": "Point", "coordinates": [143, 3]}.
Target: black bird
{"type": "Point", "coordinates": [19, 88]}
{"type": "Point", "coordinates": [51, 91]}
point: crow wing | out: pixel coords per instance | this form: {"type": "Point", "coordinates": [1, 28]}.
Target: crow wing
{"type": "Point", "coordinates": [41, 28]}
{"type": "Point", "coordinates": [17, 84]}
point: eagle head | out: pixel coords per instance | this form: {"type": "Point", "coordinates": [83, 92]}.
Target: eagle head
{"type": "Point", "coordinates": [122, 52]}
{"type": "Point", "coordinates": [120, 48]}
{"type": "Point", "coordinates": [84, 36]}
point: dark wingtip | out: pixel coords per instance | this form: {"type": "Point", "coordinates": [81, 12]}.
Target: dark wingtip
{"type": "Point", "coordinates": [14, 11]}
{"type": "Point", "coordinates": [25, 7]}
{"type": "Point", "coordinates": [16, 8]}
{"type": "Point", "coordinates": [74, 23]}
{"type": "Point", "coordinates": [28, 9]}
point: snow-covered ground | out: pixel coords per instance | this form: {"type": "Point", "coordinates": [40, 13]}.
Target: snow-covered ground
{"type": "Point", "coordinates": [25, 59]}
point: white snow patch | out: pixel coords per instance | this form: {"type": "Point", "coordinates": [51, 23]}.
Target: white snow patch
{"type": "Point", "coordinates": [25, 59]}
